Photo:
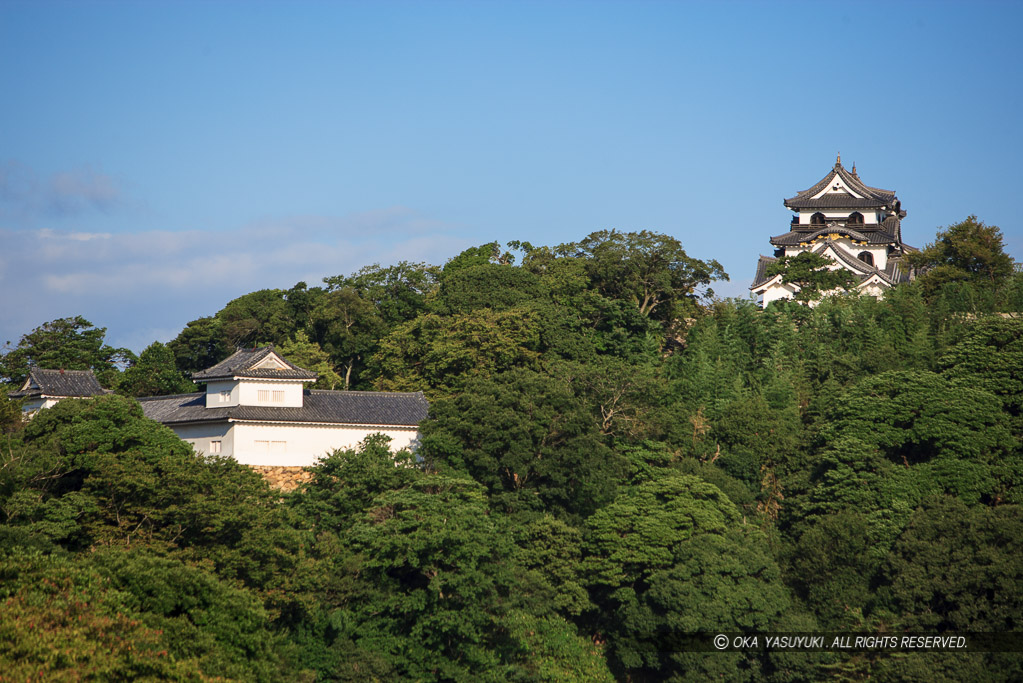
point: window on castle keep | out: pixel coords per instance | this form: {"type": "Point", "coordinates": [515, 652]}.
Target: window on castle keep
{"type": "Point", "coordinates": [866, 257]}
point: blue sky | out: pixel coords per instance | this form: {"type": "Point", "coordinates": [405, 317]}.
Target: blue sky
{"type": "Point", "coordinates": [158, 159]}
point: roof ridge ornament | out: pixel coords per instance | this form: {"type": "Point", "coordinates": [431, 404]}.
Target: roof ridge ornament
{"type": "Point", "coordinates": [838, 159]}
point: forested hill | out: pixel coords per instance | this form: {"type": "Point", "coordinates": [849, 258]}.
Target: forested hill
{"type": "Point", "coordinates": [614, 459]}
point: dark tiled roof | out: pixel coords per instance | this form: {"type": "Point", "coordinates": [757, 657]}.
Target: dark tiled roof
{"type": "Point", "coordinates": [332, 407]}
{"type": "Point", "coordinates": [893, 225]}
{"type": "Point", "coordinates": [761, 277]}
{"type": "Point", "coordinates": [876, 196]}
{"type": "Point", "coordinates": [242, 362]}
{"type": "Point", "coordinates": [794, 237]}
{"type": "Point", "coordinates": [892, 274]}
{"type": "Point", "coordinates": [56, 383]}
{"type": "Point", "coordinates": [859, 267]}
{"type": "Point", "coordinates": [834, 201]}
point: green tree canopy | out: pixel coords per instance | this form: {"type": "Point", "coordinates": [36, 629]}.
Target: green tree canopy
{"type": "Point", "coordinates": [815, 275]}
{"type": "Point", "coordinates": [990, 357]}
{"type": "Point", "coordinates": [956, 568]}
{"type": "Point", "coordinates": [67, 344]}
{"type": "Point", "coordinates": [438, 354]}
{"type": "Point", "coordinates": [96, 471]}
{"type": "Point", "coordinates": [649, 269]}
{"type": "Point", "coordinates": [969, 251]}
{"type": "Point", "coordinates": [263, 315]}
{"type": "Point", "coordinates": [530, 438]}
{"type": "Point", "coordinates": [437, 562]}
{"type": "Point", "coordinates": [671, 557]}
{"type": "Point", "coordinates": [489, 285]}
{"type": "Point", "coordinates": [202, 344]}
{"type": "Point", "coordinates": [399, 292]}
{"type": "Point", "coordinates": [154, 374]}
{"type": "Point", "coordinates": [307, 354]}
{"type": "Point", "coordinates": [348, 327]}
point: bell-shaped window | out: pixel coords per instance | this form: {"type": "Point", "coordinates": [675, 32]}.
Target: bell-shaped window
{"type": "Point", "coordinates": [855, 218]}
{"type": "Point", "coordinates": [866, 257]}
{"type": "Point", "coordinates": [817, 219]}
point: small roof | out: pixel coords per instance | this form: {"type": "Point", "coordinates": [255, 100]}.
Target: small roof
{"type": "Point", "coordinates": [319, 406]}
{"type": "Point", "coordinates": [58, 384]}
{"type": "Point", "coordinates": [795, 237]}
{"type": "Point", "coordinates": [761, 275]}
{"type": "Point", "coordinates": [870, 197]}
{"type": "Point", "coordinates": [258, 363]}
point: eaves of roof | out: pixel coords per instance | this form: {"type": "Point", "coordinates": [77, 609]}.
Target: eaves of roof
{"type": "Point", "coordinates": [319, 407]}
{"type": "Point", "coordinates": [853, 182]}
{"type": "Point", "coordinates": [796, 237]}
{"type": "Point", "coordinates": [760, 278]}
{"type": "Point", "coordinates": [45, 382]}
{"type": "Point", "coordinates": [241, 362]}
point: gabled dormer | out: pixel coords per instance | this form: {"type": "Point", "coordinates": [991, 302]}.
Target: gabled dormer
{"type": "Point", "coordinates": [254, 377]}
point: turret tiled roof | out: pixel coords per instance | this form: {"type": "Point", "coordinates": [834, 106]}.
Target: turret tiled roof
{"type": "Point", "coordinates": [321, 407]}
{"type": "Point", "coordinates": [871, 196]}
{"type": "Point", "coordinates": [834, 200]}
{"type": "Point", "coordinates": [795, 237]}
{"type": "Point", "coordinates": [243, 362]}
{"type": "Point", "coordinates": [761, 275]}
{"type": "Point", "coordinates": [59, 383]}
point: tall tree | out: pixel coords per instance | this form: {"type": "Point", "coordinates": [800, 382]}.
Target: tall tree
{"type": "Point", "coordinates": [439, 354]}
{"type": "Point", "coordinates": [200, 345]}
{"type": "Point", "coordinates": [67, 344]}
{"type": "Point", "coordinates": [307, 354]}
{"type": "Point", "coordinates": [486, 286]}
{"type": "Point", "coordinates": [348, 328]}
{"type": "Point", "coordinates": [649, 269]}
{"type": "Point", "coordinates": [672, 557]}
{"type": "Point", "coordinates": [531, 439]}
{"type": "Point", "coordinates": [154, 374]}
{"type": "Point", "coordinates": [399, 292]}
{"type": "Point", "coordinates": [263, 315]}
{"type": "Point", "coordinates": [968, 251]}
{"type": "Point", "coordinates": [438, 565]}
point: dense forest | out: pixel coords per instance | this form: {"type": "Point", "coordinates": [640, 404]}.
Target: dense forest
{"type": "Point", "coordinates": [614, 458]}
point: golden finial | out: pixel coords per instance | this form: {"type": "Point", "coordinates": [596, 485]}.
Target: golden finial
{"type": "Point", "coordinates": [854, 170]}
{"type": "Point", "coordinates": [839, 159]}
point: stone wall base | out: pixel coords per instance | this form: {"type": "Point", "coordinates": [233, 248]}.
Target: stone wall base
{"type": "Point", "coordinates": [283, 478]}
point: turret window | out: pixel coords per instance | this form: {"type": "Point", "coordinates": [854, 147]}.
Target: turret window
{"type": "Point", "coordinates": [866, 257]}
{"type": "Point", "coordinates": [817, 219]}
{"type": "Point", "coordinates": [855, 218]}
{"type": "Point", "coordinates": [270, 396]}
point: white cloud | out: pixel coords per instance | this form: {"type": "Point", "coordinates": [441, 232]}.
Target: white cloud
{"type": "Point", "coordinates": [25, 195]}
{"type": "Point", "coordinates": [160, 280]}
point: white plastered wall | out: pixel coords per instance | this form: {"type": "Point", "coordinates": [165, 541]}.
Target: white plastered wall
{"type": "Point", "coordinates": [34, 405]}
{"type": "Point", "coordinates": [213, 394]}
{"type": "Point", "coordinates": [201, 436]}
{"type": "Point", "coordinates": [294, 445]}
{"type": "Point", "coordinates": [249, 393]}
{"type": "Point", "coordinates": [878, 251]}
{"type": "Point", "coordinates": [842, 187]}
{"type": "Point", "coordinates": [869, 217]}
